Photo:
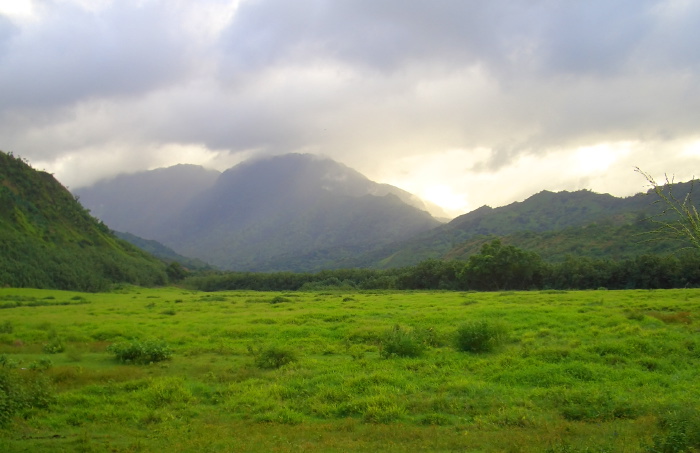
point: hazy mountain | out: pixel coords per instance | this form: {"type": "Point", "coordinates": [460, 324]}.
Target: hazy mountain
{"type": "Point", "coordinates": [162, 252]}
{"type": "Point", "coordinates": [291, 212]}
{"type": "Point", "coordinates": [48, 240]}
{"type": "Point", "coordinates": [145, 203]}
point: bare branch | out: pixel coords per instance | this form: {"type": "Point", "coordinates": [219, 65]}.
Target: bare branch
{"type": "Point", "coordinates": [686, 220]}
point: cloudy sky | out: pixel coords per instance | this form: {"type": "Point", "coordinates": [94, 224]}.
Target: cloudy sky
{"type": "Point", "coordinates": [464, 102]}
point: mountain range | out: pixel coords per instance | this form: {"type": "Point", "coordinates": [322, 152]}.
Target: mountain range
{"type": "Point", "coordinates": [291, 212]}
{"type": "Point", "coordinates": [553, 224]}
{"type": "Point", "coordinates": [305, 213]}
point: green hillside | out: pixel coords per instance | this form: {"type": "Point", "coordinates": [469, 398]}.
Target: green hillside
{"type": "Point", "coordinates": [554, 225]}
{"type": "Point", "coordinates": [609, 239]}
{"type": "Point", "coordinates": [48, 240]}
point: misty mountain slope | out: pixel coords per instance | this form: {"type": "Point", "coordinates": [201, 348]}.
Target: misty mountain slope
{"type": "Point", "coordinates": [265, 214]}
{"type": "Point", "coordinates": [163, 253]}
{"type": "Point", "coordinates": [145, 203]}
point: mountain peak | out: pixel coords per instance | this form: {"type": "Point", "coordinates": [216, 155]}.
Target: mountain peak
{"type": "Point", "coordinates": [287, 212]}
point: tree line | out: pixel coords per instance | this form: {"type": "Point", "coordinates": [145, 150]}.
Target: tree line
{"type": "Point", "coordinates": [497, 267]}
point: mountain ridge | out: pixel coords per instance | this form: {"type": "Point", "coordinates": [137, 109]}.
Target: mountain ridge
{"type": "Point", "coordinates": [545, 212]}
{"type": "Point", "coordinates": [259, 211]}
{"type": "Point", "coordinates": [307, 213]}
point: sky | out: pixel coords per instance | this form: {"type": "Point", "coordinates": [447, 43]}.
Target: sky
{"type": "Point", "coordinates": [462, 102]}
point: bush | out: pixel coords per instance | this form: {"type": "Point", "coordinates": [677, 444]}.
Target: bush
{"type": "Point", "coordinates": [55, 346]}
{"type": "Point", "coordinates": [680, 431]}
{"type": "Point", "coordinates": [398, 342]}
{"type": "Point", "coordinates": [20, 392]}
{"type": "Point", "coordinates": [279, 300]}
{"type": "Point", "coordinates": [274, 357]}
{"type": "Point", "coordinates": [142, 352]}
{"type": "Point", "coordinates": [480, 336]}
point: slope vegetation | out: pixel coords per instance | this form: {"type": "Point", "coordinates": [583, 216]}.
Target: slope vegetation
{"type": "Point", "coordinates": [48, 240]}
{"type": "Point", "coordinates": [581, 223]}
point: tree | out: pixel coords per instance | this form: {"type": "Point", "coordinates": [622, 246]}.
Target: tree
{"type": "Point", "coordinates": [502, 267]}
{"type": "Point", "coordinates": [175, 272]}
{"type": "Point", "coordinates": [685, 220]}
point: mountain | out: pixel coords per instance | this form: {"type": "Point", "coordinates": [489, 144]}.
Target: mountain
{"type": "Point", "coordinates": [293, 212]}
{"type": "Point", "coordinates": [604, 240]}
{"type": "Point", "coordinates": [48, 240]}
{"type": "Point", "coordinates": [552, 224]}
{"type": "Point", "coordinates": [145, 203]}
{"type": "Point", "coordinates": [162, 252]}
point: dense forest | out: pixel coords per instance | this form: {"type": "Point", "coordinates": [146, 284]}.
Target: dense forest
{"type": "Point", "coordinates": [497, 267]}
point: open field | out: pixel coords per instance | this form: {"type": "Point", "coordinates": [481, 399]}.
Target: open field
{"type": "Point", "coordinates": [595, 371]}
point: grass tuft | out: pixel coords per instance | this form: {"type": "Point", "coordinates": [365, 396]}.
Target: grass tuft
{"type": "Point", "coordinates": [480, 336]}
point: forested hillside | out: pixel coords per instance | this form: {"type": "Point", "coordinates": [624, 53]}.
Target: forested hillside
{"type": "Point", "coordinates": [48, 240]}
{"type": "Point", "coordinates": [554, 225]}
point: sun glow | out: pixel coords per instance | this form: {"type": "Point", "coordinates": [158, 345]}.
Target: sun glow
{"type": "Point", "coordinates": [445, 197]}
{"type": "Point", "coordinates": [16, 8]}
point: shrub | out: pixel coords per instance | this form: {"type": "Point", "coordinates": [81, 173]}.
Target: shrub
{"type": "Point", "coordinates": [680, 431]}
{"type": "Point", "coordinates": [164, 391]}
{"type": "Point", "coordinates": [21, 391]}
{"type": "Point", "coordinates": [398, 342]}
{"type": "Point", "coordinates": [279, 300]}
{"type": "Point", "coordinates": [480, 336]}
{"type": "Point", "coordinates": [42, 364]}
{"type": "Point", "coordinates": [142, 352]}
{"type": "Point", "coordinates": [273, 357]}
{"type": "Point", "coordinates": [55, 346]}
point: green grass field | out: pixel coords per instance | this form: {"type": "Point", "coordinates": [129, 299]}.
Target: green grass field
{"type": "Point", "coordinates": [593, 371]}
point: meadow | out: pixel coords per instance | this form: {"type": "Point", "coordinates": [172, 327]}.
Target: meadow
{"type": "Point", "coordinates": [169, 369]}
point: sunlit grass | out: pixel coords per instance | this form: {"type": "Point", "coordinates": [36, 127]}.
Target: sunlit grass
{"type": "Point", "coordinates": [576, 370]}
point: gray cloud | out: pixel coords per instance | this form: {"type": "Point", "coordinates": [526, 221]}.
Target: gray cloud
{"type": "Point", "coordinates": [7, 31]}
{"type": "Point", "coordinates": [74, 54]}
{"type": "Point", "coordinates": [368, 82]}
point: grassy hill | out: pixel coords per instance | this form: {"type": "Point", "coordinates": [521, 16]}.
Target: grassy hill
{"type": "Point", "coordinates": [48, 240]}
